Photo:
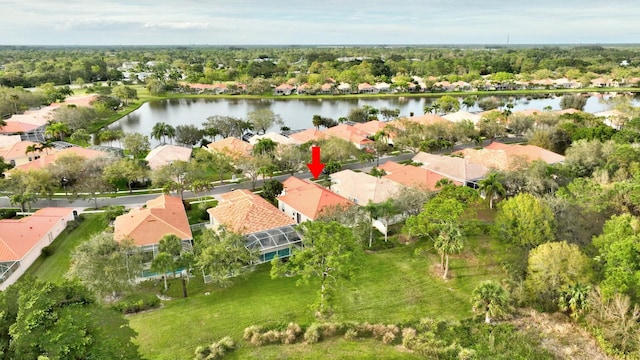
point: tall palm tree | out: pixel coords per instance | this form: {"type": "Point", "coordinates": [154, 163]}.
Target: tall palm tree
{"type": "Point", "coordinates": [492, 187]}
{"type": "Point", "coordinates": [448, 242]}
{"type": "Point", "coordinates": [162, 130]}
{"type": "Point", "coordinates": [170, 132]}
{"type": "Point", "coordinates": [491, 298]}
{"type": "Point", "coordinates": [264, 146]}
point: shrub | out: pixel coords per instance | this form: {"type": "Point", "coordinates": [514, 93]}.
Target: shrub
{"type": "Point", "coordinates": [312, 335]}
{"type": "Point", "coordinates": [215, 350]}
{"type": "Point", "coordinates": [251, 331]}
{"type": "Point", "coordinates": [136, 302]}
{"type": "Point", "coordinates": [388, 337]}
{"type": "Point", "coordinates": [408, 335]}
{"type": "Point", "coordinates": [47, 251]}
{"type": "Point", "coordinates": [8, 213]}
{"type": "Point", "coordinates": [351, 334]}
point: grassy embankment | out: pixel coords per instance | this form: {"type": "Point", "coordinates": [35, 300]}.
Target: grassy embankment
{"type": "Point", "coordinates": [54, 267]}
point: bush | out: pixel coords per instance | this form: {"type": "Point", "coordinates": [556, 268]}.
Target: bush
{"type": "Point", "coordinates": [312, 335]}
{"type": "Point", "coordinates": [8, 213]}
{"type": "Point", "coordinates": [136, 302]}
{"type": "Point", "coordinates": [216, 350]}
{"type": "Point", "coordinates": [47, 251]}
{"type": "Point", "coordinates": [250, 331]}
{"type": "Point", "coordinates": [351, 334]}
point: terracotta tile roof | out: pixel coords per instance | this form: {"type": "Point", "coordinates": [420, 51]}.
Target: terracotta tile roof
{"type": "Point", "coordinates": [426, 119]}
{"type": "Point", "coordinates": [54, 155]}
{"type": "Point", "coordinates": [370, 127]}
{"type": "Point", "coordinates": [18, 237]}
{"type": "Point", "coordinates": [309, 199]}
{"type": "Point", "coordinates": [508, 157]}
{"type": "Point", "coordinates": [412, 176]}
{"type": "Point", "coordinates": [285, 87]}
{"type": "Point", "coordinates": [349, 133]}
{"type": "Point", "coordinates": [245, 212]}
{"type": "Point", "coordinates": [13, 127]}
{"type": "Point", "coordinates": [530, 152]}
{"type": "Point", "coordinates": [308, 135]}
{"type": "Point", "coordinates": [8, 140]}
{"type": "Point", "coordinates": [165, 154]}
{"type": "Point", "coordinates": [365, 86]}
{"type": "Point", "coordinates": [567, 111]}
{"type": "Point", "coordinates": [146, 226]}
{"type": "Point", "coordinates": [17, 150]}
{"type": "Point", "coordinates": [231, 146]}
{"type": "Point", "coordinates": [454, 168]}
{"type": "Point", "coordinates": [79, 100]}
{"type": "Point", "coordinates": [362, 188]}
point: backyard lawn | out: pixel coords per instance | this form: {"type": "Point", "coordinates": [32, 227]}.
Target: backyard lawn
{"type": "Point", "coordinates": [54, 267]}
{"type": "Point", "coordinates": [393, 286]}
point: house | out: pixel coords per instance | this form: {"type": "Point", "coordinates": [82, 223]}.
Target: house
{"type": "Point", "coordinates": [305, 136]}
{"type": "Point", "coordinates": [374, 127]}
{"type": "Point", "coordinates": [17, 154]}
{"type": "Point", "coordinates": [508, 157]}
{"type": "Point", "coordinates": [283, 89]}
{"type": "Point", "coordinates": [426, 119]}
{"type": "Point", "coordinates": [302, 89]}
{"type": "Point", "coordinates": [383, 87]}
{"type": "Point", "coordinates": [327, 89]}
{"type": "Point", "coordinates": [461, 86]}
{"type": "Point", "coordinates": [603, 82]}
{"type": "Point", "coordinates": [455, 169]}
{"type": "Point", "coordinates": [232, 147]}
{"type": "Point", "coordinates": [351, 134]}
{"type": "Point", "coordinates": [344, 88]}
{"type": "Point", "coordinates": [22, 240]}
{"type": "Point", "coordinates": [366, 88]}
{"type": "Point", "coordinates": [613, 118]}
{"type": "Point", "coordinates": [302, 200]}
{"type": "Point", "coordinates": [266, 228]}
{"type": "Point", "coordinates": [361, 188]}
{"type": "Point", "coordinates": [412, 176]}
{"type": "Point", "coordinates": [145, 226]}
{"type": "Point", "coordinates": [275, 137]}
{"type": "Point", "coordinates": [461, 115]}
{"type": "Point", "coordinates": [50, 157]}
{"type": "Point", "coordinates": [166, 154]}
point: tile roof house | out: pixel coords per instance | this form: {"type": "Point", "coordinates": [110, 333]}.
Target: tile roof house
{"type": "Point", "coordinates": [371, 127]}
{"type": "Point", "coordinates": [22, 240]}
{"type": "Point", "coordinates": [51, 158]}
{"type": "Point", "coordinates": [283, 89]}
{"type": "Point", "coordinates": [304, 136]}
{"type": "Point", "coordinates": [366, 88]}
{"type": "Point", "coordinates": [426, 119]}
{"type": "Point", "coordinates": [461, 115]}
{"type": "Point", "coordinates": [166, 154]}
{"type": "Point", "coordinates": [162, 216]}
{"type": "Point", "coordinates": [232, 147]}
{"type": "Point", "coordinates": [412, 176]}
{"type": "Point", "coordinates": [508, 157]}
{"type": "Point", "coordinates": [361, 187]}
{"type": "Point", "coordinates": [302, 200]}
{"type": "Point", "coordinates": [453, 168]}
{"type": "Point", "coordinates": [275, 137]}
{"type": "Point", "coordinates": [265, 227]}
{"type": "Point", "coordinates": [351, 134]}
{"type": "Point", "coordinates": [17, 155]}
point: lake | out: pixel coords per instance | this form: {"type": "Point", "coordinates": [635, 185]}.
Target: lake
{"type": "Point", "coordinates": [297, 113]}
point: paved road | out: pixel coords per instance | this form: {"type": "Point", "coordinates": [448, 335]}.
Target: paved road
{"type": "Point", "coordinates": [139, 200]}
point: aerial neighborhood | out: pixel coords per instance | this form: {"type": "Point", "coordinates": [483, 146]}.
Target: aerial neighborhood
{"type": "Point", "coordinates": [261, 200]}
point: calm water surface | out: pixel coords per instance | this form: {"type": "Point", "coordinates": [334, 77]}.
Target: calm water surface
{"type": "Point", "coordinates": [297, 114]}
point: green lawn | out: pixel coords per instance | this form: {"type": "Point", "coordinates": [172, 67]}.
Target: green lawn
{"type": "Point", "coordinates": [54, 267]}
{"type": "Point", "coordinates": [393, 286]}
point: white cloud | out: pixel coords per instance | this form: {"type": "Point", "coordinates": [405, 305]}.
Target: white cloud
{"type": "Point", "coordinates": [177, 25]}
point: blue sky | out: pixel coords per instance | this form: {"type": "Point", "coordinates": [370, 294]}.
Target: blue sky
{"type": "Point", "coordinates": [286, 22]}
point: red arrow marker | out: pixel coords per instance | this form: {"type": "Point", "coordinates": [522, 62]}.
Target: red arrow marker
{"type": "Point", "coordinates": [315, 166]}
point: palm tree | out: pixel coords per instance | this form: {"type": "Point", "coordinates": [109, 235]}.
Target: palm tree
{"type": "Point", "coordinates": [31, 149]}
{"type": "Point", "coordinates": [492, 187]}
{"type": "Point", "coordinates": [56, 130]}
{"type": "Point", "coordinates": [163, 263]}
{"type": "Point", "coordinates": [161, 130]}
{"type": "Point", "coordinates": [264, 146]}
{"type": "Point", "coordinates": [491, 298]}
{"type": "Point", "coordinates": [448, 242]}
{"type": "Point", "coordinates": [170, 132]}
{"type": "Point", "coordinates": [574, 299]}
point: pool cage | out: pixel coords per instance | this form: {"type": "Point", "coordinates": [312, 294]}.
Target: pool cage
{"type": "Point", "coordinates": [279, 242]}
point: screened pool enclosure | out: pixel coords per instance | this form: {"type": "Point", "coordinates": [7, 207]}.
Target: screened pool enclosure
{"type": "Point", "coordinates": [274, 242]}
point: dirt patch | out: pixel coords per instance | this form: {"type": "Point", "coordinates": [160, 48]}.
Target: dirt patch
{"type": "Point", "coordinates": [561, 337]}
{"type": "Point", "coordinates": [436, 271]}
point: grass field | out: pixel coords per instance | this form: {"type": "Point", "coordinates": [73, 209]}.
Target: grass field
{"type": "Point", "coordinates": [55, 266]}
{"type": "Point", "coordinates": [393, 286]}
